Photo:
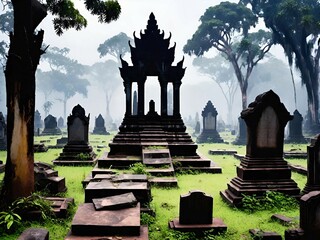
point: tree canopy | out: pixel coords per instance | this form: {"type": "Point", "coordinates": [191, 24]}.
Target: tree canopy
{"type": "Point", "coordinates": [225, 27]}
{"type": "Point", "coordinates": [295, 25]}
{"type": "Point", "coordinates": [115, 46]}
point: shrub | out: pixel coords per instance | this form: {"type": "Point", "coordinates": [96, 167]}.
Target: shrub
{"type": "Point", "coordinates": [271, 200]}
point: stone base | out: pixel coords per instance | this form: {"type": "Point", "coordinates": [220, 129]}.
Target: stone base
{"type": "Point", "coordinates": [124, 222]}
{"type": "Point", "coordinates": [143, 236]}
{"type": "Point", "coordinates": [237, 187]}
{"type": "Point", "coordinates": [209, 136]}
{"type": "Point", "coordinates": [216, 227]}
{"type": "Point", "coordinates": [222, 152]}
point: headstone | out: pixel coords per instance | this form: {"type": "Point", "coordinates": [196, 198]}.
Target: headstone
{"type": "Point", "coordinates": [3, 133]}
{"type": "Point", "coordinates": [241, 139]}
{"type": "Point", "coordinates": [99, 127]}
{"type": "Point", "coordinates": [60, 122]}
{"type": "Point", "coordinates": [263, 168]}
{"type": "Point", "coordinates": [196, 208]}
{"type": "Point", "coordinates": [209, 132]}
{"type": "Point", "coordinates": [313, 166]}
{"type": "Point", "coordinates": [309, 218]}
{"type": "Point", "coordinates": [258, 234]}
{"type": "Point", "coordinates": [196, 214]}
{"type": "Point", "coordinates": [37, 121]}
{"type": "Point", "coordinates": [295, 129]}
{"type": "Point", "coordinates": [50, 126]}
{"type": "Point", "coordinates": [77, 151]}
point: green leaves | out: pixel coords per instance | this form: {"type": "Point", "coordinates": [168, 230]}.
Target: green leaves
{"type": "Point", "coordinates": [9, 219]}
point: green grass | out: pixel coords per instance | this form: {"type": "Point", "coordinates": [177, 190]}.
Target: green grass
{"type": "Point", "coordinates": [166, 201]}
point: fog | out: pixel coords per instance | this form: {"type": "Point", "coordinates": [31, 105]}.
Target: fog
{"type": "Point", "coordinates": [181, 18]}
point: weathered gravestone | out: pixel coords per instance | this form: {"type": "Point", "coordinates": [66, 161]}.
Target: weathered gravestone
{"type": "Point", "coordinates": [99, 127]}
{"type": "Point", "coordinates": [37, 121]}
{"type": "Point", "coordinates": [241, 138]}
{"type": "Point", "coordinates": [196, 214]}
{"type": "Point", "coordinates": [3, 133]}
{"type": "Point", "coordinates": [295, 129]}
{"type": "Point", "coordinates": [313, 166]}
{"type": "Point", "coordinates": [50, 126]}
{"type": "Point", "coordinates": [60, 122]}
{"type": "Point", "coordinates": [135, 103]}
{"type": "Point", "coordinates": [209, 132]}
{"type": "Point", "coordinates": [77, 151]}
{"type": "Point", "coordinates": [309, 219]}
{"type": "Point", "coordinates": [263, 168]}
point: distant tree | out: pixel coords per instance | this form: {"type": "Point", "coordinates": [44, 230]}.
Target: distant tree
{"type": "Point", "coordinates": [66, 75]}
{"type": "Point", "coordinates": [47, 107]}
{"type": "Point", "coordinates": [115, 46]}
{"type": "Point", "coordinates": [106, 76]}
{"type": "Point", "coordinates": [225, 27]}
{"type": "Point", "coordinates": [295, 26]}
{"type": "Point", "coordinates": [220, 71]}
{"type": "Point", "coordinates": [23, 58]}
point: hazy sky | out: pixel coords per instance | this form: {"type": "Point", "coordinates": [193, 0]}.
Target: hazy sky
{"type": "Point", "coordinates": [180, 17]}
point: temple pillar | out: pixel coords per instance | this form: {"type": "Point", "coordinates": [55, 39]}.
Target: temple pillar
{"type": "Point", "coordinates": [141, 98]}
{"type": "Point", "coordinates": [127, 90]}
{"type": "Point", "coordinates": [164, 98]}
{"type": "Point", "coordinates": [176, 98]}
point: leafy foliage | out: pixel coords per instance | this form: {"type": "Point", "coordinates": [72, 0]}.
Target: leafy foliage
{"type": "Point", "coordinates": [67, 16]}
{"type": "Point", "coordinates": [270, 201]}
{"type": "Point", "coordinates": [138, 168]}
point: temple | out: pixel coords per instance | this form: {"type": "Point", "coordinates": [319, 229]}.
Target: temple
{"type": "Point", "coordinates": [152, 56]}
{"type": "Point", "coordinates": [143, 128]}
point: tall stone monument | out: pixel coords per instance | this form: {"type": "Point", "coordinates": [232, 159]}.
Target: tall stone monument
{"type": "Point", "coordinates": [209, 132]}
{"type": "Point", "coordinates": [50, 126]}
{"type": "Point", "coordinates": [37, 121]}
{"type": "Point", "coordinates": [295, 129]}
{"type": "Point", "coordinates": [313, 165]}
{"type": "Point", "coordinates": [77, 151]}
{"type": "Point", "coordinates": [99, 127]}
{"type": "Point", "coordinates": [263, 167]}
{"type": "Point", "coordinates": [60, 122]}
{"type": "Point", "coordinates": [3, 133]}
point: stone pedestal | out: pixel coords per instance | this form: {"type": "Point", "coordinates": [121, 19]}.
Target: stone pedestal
{"type": "Point", "coordinates": [263, 168]}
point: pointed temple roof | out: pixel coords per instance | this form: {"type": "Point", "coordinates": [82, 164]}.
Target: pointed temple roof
{"type": "Point", "coordinates": [151, 52]}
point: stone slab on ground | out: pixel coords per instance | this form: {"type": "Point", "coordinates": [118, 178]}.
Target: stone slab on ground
{"type": "Point", "coordinates": [217, 226]}
{"type": "Point", "coordinates": [299, 169]}
{"type": "Point", "coordinates": [282, 219]}
{"type": "Point", "coordinates": [222, 152]}
{"type": "Point", "coordinates": [124, 222]}
{"type": "Point", "coordinates": [143, 236]}
{"type": "Point", "coordinates": [117, 202]}
{"type": "Point", "coordinates": [105, 188]}
{"type": "Point", "coordinates": [71, 162]}
{"type": "Point", "coordinates": [34, 234]}
{"type": "Point", "coordinates": [258, 234]}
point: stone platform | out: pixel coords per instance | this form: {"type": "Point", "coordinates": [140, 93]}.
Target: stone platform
{"type": "Point", "coordinates": [143, 236]}
{"type": "Point", "coordinates": [216, 227]}
{"type": "Point", "coordinates": [124, 222]}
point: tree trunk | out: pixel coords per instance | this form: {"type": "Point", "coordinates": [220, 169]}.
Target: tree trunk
{"type": "Point", "coordinates": [23, 59]}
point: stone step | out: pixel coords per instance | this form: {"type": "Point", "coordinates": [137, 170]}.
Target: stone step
{"type": "Point", "coordinates": [161, 171]}
{"type": "Point", "coordinates": [164, 182]}
{"type": "Point", "coordinates": [116, 163]}
{"type": "Point", "coordinates": [211, 169]}
{"type": "Point", "coordinates": [71, 162]}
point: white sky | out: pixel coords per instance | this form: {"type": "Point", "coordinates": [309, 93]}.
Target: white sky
{"type": "Point", "coordinates": [180, 17]}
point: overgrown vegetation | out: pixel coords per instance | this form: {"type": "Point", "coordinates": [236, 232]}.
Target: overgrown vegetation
{"type": "Point", "coordinates": [138, 168]}
{"type": "Point", "coordinates": [165, 201]}
{"type": "Point", "coordinates": [269, 201]}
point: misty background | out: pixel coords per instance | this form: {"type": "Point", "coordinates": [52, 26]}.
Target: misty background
{"type": "Point", "coordinates": [181, 19]}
